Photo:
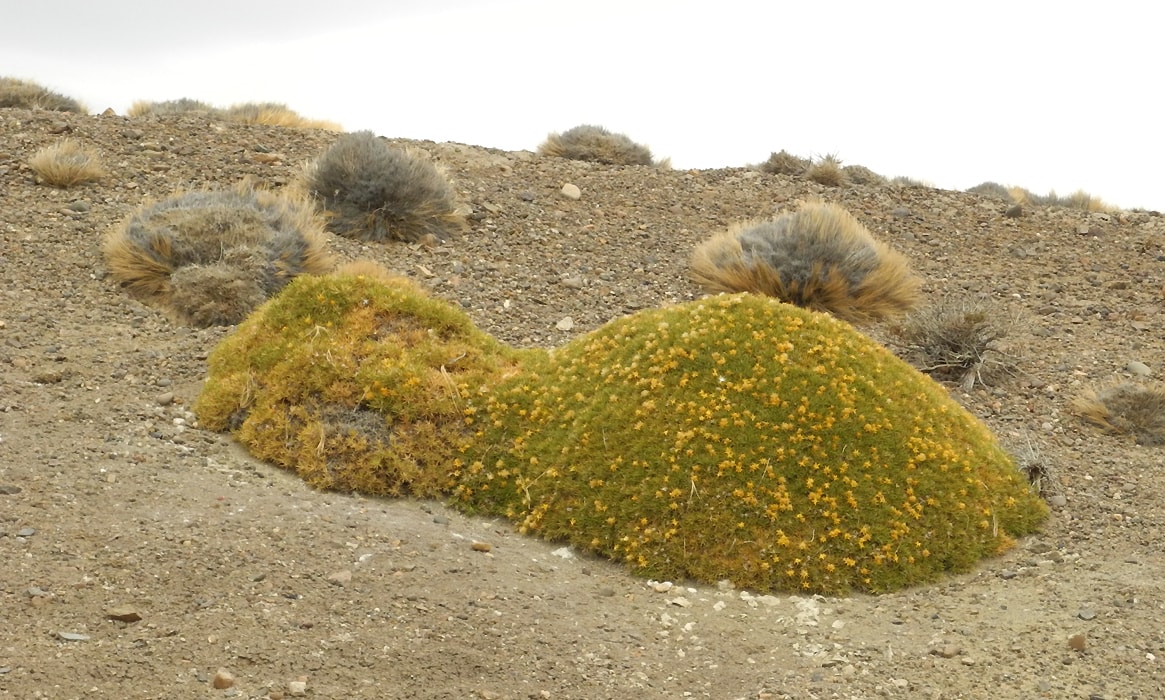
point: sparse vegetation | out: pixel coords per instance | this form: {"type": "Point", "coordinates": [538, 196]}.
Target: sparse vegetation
{"type": "Point", "coordinates": [1126, 409]}
{"type": "Point", "coordinates": [820, 257]}
{"type": "Point", "coordinates": [903, 181]}
{"type": "Point", "coordinates": [275, 114]}
{"type": "Point", "coordinates": [356, 383]}
{"type": "Point", "coordinates": [67, 163]}
{"type": "Point", "coordinates": [991, 189]}
{"type": "Point", "coordinates": [740, 438]}
{"type": "Point", "coordinates": [827, 171]}
{"type": "Point", "coordinates": [596, 144]}
{"type": "Point", "coordinates": [268, 113]}
{"type": "Point", "coordinates": [209, 257]}
{"type": "Point", "coordinates": [861, 175]}
{"type": "Point", "coordinates": [375, 192]}
{"type": "Point", "coordinates": [184, 105]}
{"type": "Point", "coordinates": [785, 163]}
{"type": "Point", "coordinates": [960, 339]}
{"type": "Point", "coordinates": [24, 94]}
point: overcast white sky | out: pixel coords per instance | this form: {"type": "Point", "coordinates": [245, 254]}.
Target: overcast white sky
{"type": "Point", "coordinates": [1046, 95]}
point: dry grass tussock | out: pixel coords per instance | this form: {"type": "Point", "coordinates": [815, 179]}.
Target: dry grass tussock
{"type": "Point", "coordinates": [1126, 409]}
{"type": "Point", "coordinates": [785, 163]}
{"type": "Point", "coordinates": [266, 113]}
{"type": "Point", "coordinates": [597, 145]}
{"type": "Point", "coordinates": [210, 257]}
{"type": "Point", "coordinates": [960, 339]}
{"type": "Point", "coordinates": [67, 163]}
{"type": "Point", "coordinates": [820, 257]}
{"type": "Point", "coordinates": [827, 170]}
{"type": "Point", "coordinates": [375, 192]}
{"type": "Point", "coordinates": [24, 94]}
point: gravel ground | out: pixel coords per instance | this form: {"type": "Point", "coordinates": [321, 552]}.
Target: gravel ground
{"type": "Point", "coordinates": [145, 558]}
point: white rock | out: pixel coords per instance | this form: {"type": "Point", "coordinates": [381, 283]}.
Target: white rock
{"type": "Point", "coordinates": [563, 552]}
{"type": "Point", "coordinates": [565, 324]}
{"type": "Point", "coordinates": [571, 191]}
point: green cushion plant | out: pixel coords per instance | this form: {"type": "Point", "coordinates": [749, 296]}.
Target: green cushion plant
{"type": "Point", "coordinates": [738, 437]}
{"type": "Point", "coordinates": [356, 382]}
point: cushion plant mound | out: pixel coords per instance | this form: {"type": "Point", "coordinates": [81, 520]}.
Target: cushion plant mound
{"type": "Point", "coordinates": [740, 437]}
{"type": "Point", "coordinates": [358, 383]}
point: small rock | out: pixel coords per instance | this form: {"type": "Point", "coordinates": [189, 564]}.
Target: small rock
{"type": "Point", "coordinates": [563, 552]}
{"type": "Point", "coordinates": [481, 546]}
{"type": "Point", "coordinates": [605, 592]}
{"type": "Point", "coordinates": [1058, 500]}
{"type": "Point", "coordinates": [37, 592]}
{"type": "Point", "coordinates": [1008, 574]}
{"type": "Point", "coordinates": [1139, 369]}
{"type": "Point", "coordinates": [9, 490]}
{"type": "Point", "coordinates": [1014, 211]}
{"type": "Point", "coordinates": [222, 679]}
{"type": "Point", "coordinates": [440, 520]}
{"type": "Point", "coordinates": [123, 613]}
{"type": "Point", "coordinates": [26, 532]}
{"type": "Point", "coordinates": [297, 688]}
{"type": "Point", "coordinates": [1077, 642]}
{"type": "Point", "coordinates": [661, 586]}
{"type": "Point", "coordinates": [565, 324]}
{"type": "Point", "coordinates": [340, 578]}
{"type": "Point", "coordinates": [680, 601]}
{"type": "Point", "coordinates": [73, 637]}
{"type": "Point", "coordinates": [1086, 614]}
{"type": "Point", "coordinates": [573, 282]}
{"type": "Point", "coordinates": [165, 399]}
{"type": "Point", "coordinates": [571, 191]}
{"type": "Point", "coordinates": [947, 651]}
{"type": "Point", "coordinates": [900, 213]}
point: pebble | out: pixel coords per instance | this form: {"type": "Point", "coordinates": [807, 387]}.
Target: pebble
{"type": "Point", "coordinates": [297, 688]}
{"type": "Point", "coordinates": [1086, 614]}
{"type": "Point", "coordinates": [440, 520]}
{"type": "Point", "coordinates": [573, 282]}
{"type": "Point", "coordinates": [1014, 211]}
{"type": "Point", "coordinates": [661, 586]}
{"type": "Point", "coordinates": [1008, 574]}
{"type": "Point", "coordinates": [36, 592]}
{"type": "Point", "coordinates": [947, 651]}
{"type": "Point", "coordinates": [481, 546]}
{"type": "Point", "coordinates": [340, 578]}
{"type": "Point", "coordinates": [123, 613]}
{"type": "Point", "coordinates": [73, 637]}
{"type": "Point", "coordinates": [9, 490]}
{"type": "Point", "coordinates": [222, 679]}
{"type": "Point", "coordinates": [165, 399]}
{"type": "Point", "coordinates": [1139, 369]}
{"type": "Point", "coordinates": [565, 324]}
{"type": "Point", "coordinates": [680, 602]}
{"type": "Point", "coordinates": [1077, 642]}
{"type": "Point", "coordinates": [1058, 500]}
{"type": "Point", "coordinates": [571, 191]}
{"type": "Point", "coordinates": [26, 532]}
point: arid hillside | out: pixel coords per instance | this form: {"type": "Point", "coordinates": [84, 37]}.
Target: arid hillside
{"type": "Point", "coordinates": [147, 558]}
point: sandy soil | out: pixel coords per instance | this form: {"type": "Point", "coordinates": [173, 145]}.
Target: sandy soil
{"type": "Point", "coordinates": [141, 555]}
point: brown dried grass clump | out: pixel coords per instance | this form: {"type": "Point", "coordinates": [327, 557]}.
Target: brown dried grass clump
{"type": "Point", "coordinates": [597, 145]}
{"type": "Point", "coordinates": [1126, 409]}
{"type": "Point", "coordinates": [25, 94]}
{"type": "Point", "coordinates": [184, 105]}
{"type": "Point", "coordinates": [375, 192]}
{"type": "Point", "coordinates": [210, 257]}
{"type": "Point", "coordinates": [861, 175]}
{"type": "Point", "coordinates": [785, 163]}
{"type": "Point", "coordinates": [959, 339]}
{"type": "Point", "coordinates": [275, 114]}
{"type": "Point", "coordinates": [820, 258]}
{"type": "Point", "coordinates": [66, 164]}
{"type": "Point", "coordinates": [827, 171]}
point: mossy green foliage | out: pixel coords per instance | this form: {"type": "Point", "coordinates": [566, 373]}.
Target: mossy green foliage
{"type": "Point", "coordinates": [357, 383]}
{"type": "Point", "coordinates": [743, 438]}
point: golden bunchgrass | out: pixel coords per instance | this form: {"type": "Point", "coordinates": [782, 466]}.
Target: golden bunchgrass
{"type": "Point", "coordinates": [820, 257]}
{"type": "Point", "coordinates": [785, 163]}
{"type": "Point", "coordinates": [1126, 408]}
{"type": "Point", "coordinates": [598, 145]}
{"type": "Point", "coordinates": [25, 94]}
{"type": "Point", "coordinates": [738, 437]}
{"type": "Point", "coordinates": [356, 383]}
{"type": "Point", "coordinates": [827, 170]}
{"type": "Point", "coordinates": [67, 163]}
{"type": "Point", "coordinates": [209, 257]}
{"type": "Point", "coordinates": [275, 114]}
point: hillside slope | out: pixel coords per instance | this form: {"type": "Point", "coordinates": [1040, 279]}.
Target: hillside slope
{"type": "Point", "coordinates": [112, 502]}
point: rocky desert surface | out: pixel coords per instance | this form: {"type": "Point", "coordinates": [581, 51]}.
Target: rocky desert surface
{"type": "Point", "coordinates": [146, 558]}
